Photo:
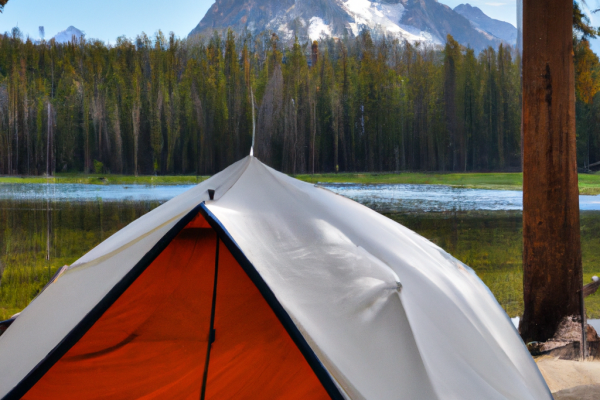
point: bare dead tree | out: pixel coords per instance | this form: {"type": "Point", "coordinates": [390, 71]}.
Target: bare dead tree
{"type": "Point", "coordinates": [118, 140]}
{"type": "Point", "coordinates": [269, 116]}
{"type": "Point", "coordinates": [4, 139]}
{"type": "Point", "coordinates": [200, 131]}
{"type": "Point", "coordinates": [135, 117]}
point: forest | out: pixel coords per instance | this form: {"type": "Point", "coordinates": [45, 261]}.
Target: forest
{"type": "Point", "coordinates": [165, 105]}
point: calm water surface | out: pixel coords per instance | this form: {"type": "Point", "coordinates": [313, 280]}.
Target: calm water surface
{"type": "Point", "coordinates": [385, 198]}
{"type": "Point", "coordinates": [427, 198]}
{"type": "Point", "coordinates": [80, 192]}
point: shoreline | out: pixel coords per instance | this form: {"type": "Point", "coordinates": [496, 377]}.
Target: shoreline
{"type": "Point", "coordinates": [589, 184]}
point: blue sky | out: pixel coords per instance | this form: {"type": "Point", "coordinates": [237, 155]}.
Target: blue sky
{"type": "Point", "coordinates": [105, 20]}
{"type": "Point", "coordinates": [108, 19]}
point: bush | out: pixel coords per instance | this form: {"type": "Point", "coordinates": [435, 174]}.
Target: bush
{"type": "Point", "coordinates": [98, 167]}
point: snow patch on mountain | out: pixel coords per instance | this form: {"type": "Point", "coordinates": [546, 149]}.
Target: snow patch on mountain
{"type": "Point", "coordinates": [317, 28]}
{"type": "Point", "coordinates": [67, 35]}
{"type": "Point", "coordinates": [368, 13]}
{"type": "Point", "coordinates": [380, 17]}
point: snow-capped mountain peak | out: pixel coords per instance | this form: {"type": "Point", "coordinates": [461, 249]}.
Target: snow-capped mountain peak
{"type": "Point", "coordinates": [68, 34]}
{"type": "Point", "coordinates": [412, 20]}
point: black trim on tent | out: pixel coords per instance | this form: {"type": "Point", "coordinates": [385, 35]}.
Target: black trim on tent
{"type": "Point", "coordinates": [5, 324]}
{"type": "Point", "coordinates": [211, 329]}
{"type": "Point", "coordinates": [269, 296]}
{"type": "Point", "coordinates": [94, 315]}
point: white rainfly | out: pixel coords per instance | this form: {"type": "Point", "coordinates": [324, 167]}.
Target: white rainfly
{"type": "Point", "coordinates": [377, 311]}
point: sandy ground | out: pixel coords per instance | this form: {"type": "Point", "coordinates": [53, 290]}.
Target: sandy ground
{"type": "Point", "coordinates": [571, 379]}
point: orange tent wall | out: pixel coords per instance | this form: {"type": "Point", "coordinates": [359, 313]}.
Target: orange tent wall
{"type": "Point", "coordinates": [151, 343]}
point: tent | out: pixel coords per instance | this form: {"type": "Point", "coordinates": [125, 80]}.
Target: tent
{"type": "Point", "coordinates": [256, 285]}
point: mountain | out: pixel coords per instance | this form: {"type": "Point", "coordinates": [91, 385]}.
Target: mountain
{"type": "Point", "coordinates": [413, 20]}
{"type": "Point", "coordinates": [479, 20]}
{"type": "Point", "coordinates": [67, 35]}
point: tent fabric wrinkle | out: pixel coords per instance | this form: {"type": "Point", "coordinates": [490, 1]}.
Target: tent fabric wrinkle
{"type": "Point", "coordinates": [315, 297]}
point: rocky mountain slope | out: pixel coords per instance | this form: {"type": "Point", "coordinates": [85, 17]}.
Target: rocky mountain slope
{"type": "Point", "coordinates": [480, 21]}
{"type": "Point", "coordinates": [413, 20]}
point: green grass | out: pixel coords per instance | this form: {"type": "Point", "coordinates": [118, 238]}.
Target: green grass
{"type": "Point", "coordinates": [76, 229]}
{"type": "Point", "coordinates": [108, 179]}
{"type": "Point", "coordinates": [588, 183]}
{"type": "Point", "coordinates": [512, 181]}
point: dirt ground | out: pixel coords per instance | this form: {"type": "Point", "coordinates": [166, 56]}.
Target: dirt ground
{"type": "Point", "coordinates": [586, 392]}
{"type": "Point", "coordinates": [570, 380]}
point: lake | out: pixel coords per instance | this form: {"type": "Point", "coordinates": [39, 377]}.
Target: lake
{"type": "Point", "coordinates": [385, 198]}
{"type": "Point", "coordinates": [45, 226]}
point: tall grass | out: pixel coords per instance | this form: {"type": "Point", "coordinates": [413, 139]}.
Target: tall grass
{"type": "Point", "coordinates": [491, 243]}
{"type": "Point", "coordinates": [75, 228]}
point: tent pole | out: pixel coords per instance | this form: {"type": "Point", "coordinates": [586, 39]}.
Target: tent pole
{"type": "Point", "coordinates": [211, 331]}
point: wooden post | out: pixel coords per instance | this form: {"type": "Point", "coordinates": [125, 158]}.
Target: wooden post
{"type": "Point", "coordinates": [552, 274]}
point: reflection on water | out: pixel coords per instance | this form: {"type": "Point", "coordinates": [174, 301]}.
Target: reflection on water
{"type": "Point", "coordinates": [80, 192]}
{"type": "Point", "coordinates": [382, 197]}
{"type": "Point", "coordinates": [427, 198]}
{"type": "Point", "coordinates": [482, 228]}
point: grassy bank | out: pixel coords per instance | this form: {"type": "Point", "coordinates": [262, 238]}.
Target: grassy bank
{"type": "Point", "coordinates": [502, 181]}
{"type": "Point", "coordinates": [588, 183]}
{"type": "Point", "coordinates": [108, 179]}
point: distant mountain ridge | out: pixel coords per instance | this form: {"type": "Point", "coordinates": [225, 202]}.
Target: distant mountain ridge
{"type": "Point", "coordinates": [479, 20]}
{"type": "Point", "coordinates": [68, 34]}
{"type": "Point", "coordinates": [412, 20]}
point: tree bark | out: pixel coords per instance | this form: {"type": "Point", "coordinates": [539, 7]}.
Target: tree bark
{"type": "Point", "coordinates": [552, 274]}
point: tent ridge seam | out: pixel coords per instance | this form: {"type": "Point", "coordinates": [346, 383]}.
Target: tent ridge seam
{"type": "Point", "coordinates": [236, 179]}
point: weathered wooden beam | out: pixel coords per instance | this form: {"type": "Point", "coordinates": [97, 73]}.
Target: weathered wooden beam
{"type": "Point", "coordinates": [594, 164]}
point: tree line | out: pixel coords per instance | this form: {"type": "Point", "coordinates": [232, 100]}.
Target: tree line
{"type": "Point", "coordinates": [165, 105]}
